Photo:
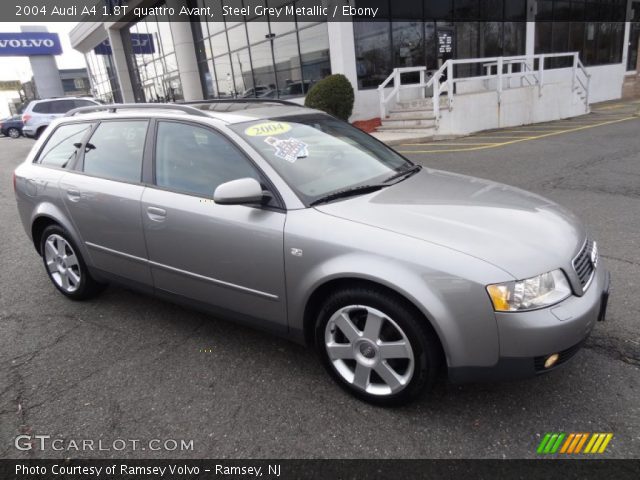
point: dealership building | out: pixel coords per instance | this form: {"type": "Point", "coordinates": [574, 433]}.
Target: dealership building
{"type": "Point", "coordinates": [511, 43]}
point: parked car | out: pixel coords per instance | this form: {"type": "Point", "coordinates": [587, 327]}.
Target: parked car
{"type": "Point", "coordinates": [296, 88]}
{"type": "Point", "coordinates": [40, 113]}
{"type": "Point", "coordinates": [11, 127]}
{"type": "Point", "coordinates": [288, 219]}
{"type": "Point", "coordinates": [257, 91]}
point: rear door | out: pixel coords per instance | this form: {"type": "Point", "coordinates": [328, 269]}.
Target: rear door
{"type": "Point", "coordinates": [103, 199]}
{"type": "Point", "coordinates": [225, 256]}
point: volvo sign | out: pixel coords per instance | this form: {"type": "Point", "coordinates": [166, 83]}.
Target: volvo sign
{"type": "Point", "coordinates": [141, 44]}
{"type": "Point", "coordinates": [27, 44]}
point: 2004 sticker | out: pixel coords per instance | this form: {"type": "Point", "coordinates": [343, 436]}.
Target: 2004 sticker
{"type": "Point", "coordinates": [267, 128]}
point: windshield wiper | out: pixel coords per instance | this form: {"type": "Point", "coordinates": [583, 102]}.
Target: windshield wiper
{"type": "Point", "coordinates": [347, 192]}
{"type": "Point", "coordinates": [407, 171]}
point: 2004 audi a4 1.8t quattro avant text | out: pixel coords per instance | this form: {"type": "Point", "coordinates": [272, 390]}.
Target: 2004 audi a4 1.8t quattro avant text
{"type": "Point", "coordinates": [293, 221]}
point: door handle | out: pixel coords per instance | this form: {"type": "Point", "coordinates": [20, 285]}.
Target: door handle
{"type": "Point", "coordinates": [156, 214]}
{"type": "Point", "coordinates": [73, 195]}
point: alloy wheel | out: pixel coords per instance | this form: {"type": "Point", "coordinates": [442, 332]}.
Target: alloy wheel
{"type": "Point", "coordinates": [369, 350]}
{"type": "Point", "coordinates": [62, 263]}
{"type": "Point", "coordinates": [14, 133]}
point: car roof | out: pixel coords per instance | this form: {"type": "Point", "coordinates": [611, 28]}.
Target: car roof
{"type": "Point", "coordinates": [55, 99]}
{"type": "Point", "coordinates": [225, 112]}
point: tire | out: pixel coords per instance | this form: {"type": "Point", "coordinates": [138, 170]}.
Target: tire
{"type": "Point", "coordinates": [354, 331]}
{"type": "Point", "coordinates": [65, 266]}
{"type": "Point", "coordinates": [13, 133]}
{"type": "Point", "coordinates": [39, 132]}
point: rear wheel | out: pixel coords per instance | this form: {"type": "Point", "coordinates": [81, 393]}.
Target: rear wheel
{"type": "Point", "coordinates": [39, 132]}
{"type": "Point", "coordinates": [65, 266]}
{"type": "Point", "coordinates": [13, 132]}
{"type": "Point", "coordinates": [376, 346]}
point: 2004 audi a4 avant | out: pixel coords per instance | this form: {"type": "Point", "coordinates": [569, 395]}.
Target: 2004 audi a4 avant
{"type": "Point", "coordinates": [291, 220]}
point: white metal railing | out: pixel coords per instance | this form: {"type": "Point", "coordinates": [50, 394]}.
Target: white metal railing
{"type": "Point", "coordinates": [504, 68]}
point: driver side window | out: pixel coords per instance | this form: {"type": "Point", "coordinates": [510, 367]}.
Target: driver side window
{"type": "Point", "coordinates": [195, 160]}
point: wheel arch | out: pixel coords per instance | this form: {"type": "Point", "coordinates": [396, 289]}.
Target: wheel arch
{"type": "Point", "coordinates": [38, 226]}
{"type": "Point", "coordinates": [40, 130]}
{"type": "Point", "coordinates": [322, 292]}
{"type": "Point", "coordinates": [49, 214]}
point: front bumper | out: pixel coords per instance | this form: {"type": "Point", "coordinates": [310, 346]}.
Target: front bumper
{"type": "Point", "coordinates": [528, 338]}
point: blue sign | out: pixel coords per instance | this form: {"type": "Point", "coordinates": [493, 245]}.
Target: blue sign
{"type": "Point", "coordinates": [26, 44]}
{"type": "Point", "coordinates": [141, 43]}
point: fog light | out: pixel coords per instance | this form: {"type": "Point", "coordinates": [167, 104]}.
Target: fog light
{"type": "Point", "coordinates": [551, 360]}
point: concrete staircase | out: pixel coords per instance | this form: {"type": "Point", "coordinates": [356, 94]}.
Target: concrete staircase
{"type": "Point", "coordinates": [412, 116]}
{"type": "Point", "coordinates": [581, 95]}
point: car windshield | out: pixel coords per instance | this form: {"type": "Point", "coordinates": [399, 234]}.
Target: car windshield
{"type": "Point", "coordinates": [318, 155]}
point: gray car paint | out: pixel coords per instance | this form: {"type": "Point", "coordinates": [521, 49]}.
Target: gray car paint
{"type": "Point", "coordinates": [436, 238]}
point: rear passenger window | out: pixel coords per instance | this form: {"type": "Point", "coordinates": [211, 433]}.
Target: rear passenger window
{"type": "Point", "coordinates": [83, 103]}
{"type": "Point", "coordinates": [60, 150]}
{"type": "Point", "coordinates": [196, 160]}
{"type": "Point", "coordinates": [61, 106]}
{"type": "Point", "coordinates": [115, 150]}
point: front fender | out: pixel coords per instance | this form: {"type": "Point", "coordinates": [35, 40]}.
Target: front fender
{"type": "Point", "coordinates": [444, 285]}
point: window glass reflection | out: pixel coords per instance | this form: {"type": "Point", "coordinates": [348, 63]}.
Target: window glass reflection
{"type": "Point", "coordinates": [155, 68]}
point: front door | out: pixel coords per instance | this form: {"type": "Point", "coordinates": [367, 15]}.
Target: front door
{"type": "Point", "coordinates": [224, 256]}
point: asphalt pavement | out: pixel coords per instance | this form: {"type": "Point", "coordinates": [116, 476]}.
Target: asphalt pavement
{"type": "Point", "coordinates": [129, 367]}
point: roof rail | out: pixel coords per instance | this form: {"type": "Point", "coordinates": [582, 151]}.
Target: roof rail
{"type": "Point", "coordinates": [241, 100]}
{"type": "Point", "coordinates": [142, 106]}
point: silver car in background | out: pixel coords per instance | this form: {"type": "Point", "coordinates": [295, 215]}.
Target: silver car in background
{"type": "Point", "coordinates": [295, 222]}
{"type": "Point", "coordinates": [38, 114]}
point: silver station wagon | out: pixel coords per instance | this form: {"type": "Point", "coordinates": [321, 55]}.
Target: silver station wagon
{"type": "Point", "coordinates": [295, 222]}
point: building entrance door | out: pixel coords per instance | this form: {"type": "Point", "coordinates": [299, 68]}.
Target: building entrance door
{"type": "Point", "coordinates": [634, 37]}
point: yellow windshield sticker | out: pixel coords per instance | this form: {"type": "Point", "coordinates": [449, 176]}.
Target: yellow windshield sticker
{"type": "Point", "coordinates": [267, 128]}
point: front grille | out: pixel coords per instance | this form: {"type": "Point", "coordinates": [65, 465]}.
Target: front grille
{"type": "Point", "coordinates": [585, 263]}
{"type": "Point", "coordinates": [564, 355]}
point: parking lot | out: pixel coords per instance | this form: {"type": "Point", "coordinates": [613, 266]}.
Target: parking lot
{"type": "Point", "coordinates": [126, 366]}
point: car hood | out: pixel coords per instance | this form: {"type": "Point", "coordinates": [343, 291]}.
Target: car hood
{"type": "Point", "coordinates": [520, 232]}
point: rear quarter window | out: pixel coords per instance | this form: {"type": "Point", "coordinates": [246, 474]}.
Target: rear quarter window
{"type": "Point", "coordinates": [42, 107]}
{"type": "Point", "coordinates": [60, 150]}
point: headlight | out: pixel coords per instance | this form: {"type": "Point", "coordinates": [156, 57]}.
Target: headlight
{"type": "Point", "coordinates": [536, 292]}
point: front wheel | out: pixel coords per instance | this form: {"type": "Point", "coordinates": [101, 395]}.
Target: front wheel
{"type": "Point", "coordinates": [376, 346]}
{"type": "Point", "coordinates": [65, 266]}
{"type": "Point", "coordinates": [14, 133]}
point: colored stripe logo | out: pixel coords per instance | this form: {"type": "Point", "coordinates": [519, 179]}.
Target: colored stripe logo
{"type": "Point", "coordinates": [574, 443]}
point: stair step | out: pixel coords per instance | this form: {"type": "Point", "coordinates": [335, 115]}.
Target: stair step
{"type": "Point", "coordinates": [420, 103]}
{"type": "Point", "coordinates": [411, 115]}
{"type": "Point", "coordinates": [418, 129]}
{"type": "Point", "coordinates": [409, 122]}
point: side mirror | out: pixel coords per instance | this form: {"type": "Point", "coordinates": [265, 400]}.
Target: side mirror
{"type": "Point", "coordinates": [239, 192]}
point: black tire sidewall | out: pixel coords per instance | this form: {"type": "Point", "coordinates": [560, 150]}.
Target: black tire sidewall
{"type": "Point", "coordinates": [86, 285]}
{"type": "Point", "coordinates": [424, 348]}
{"type": "Point", "coordinates": [13, 130]}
